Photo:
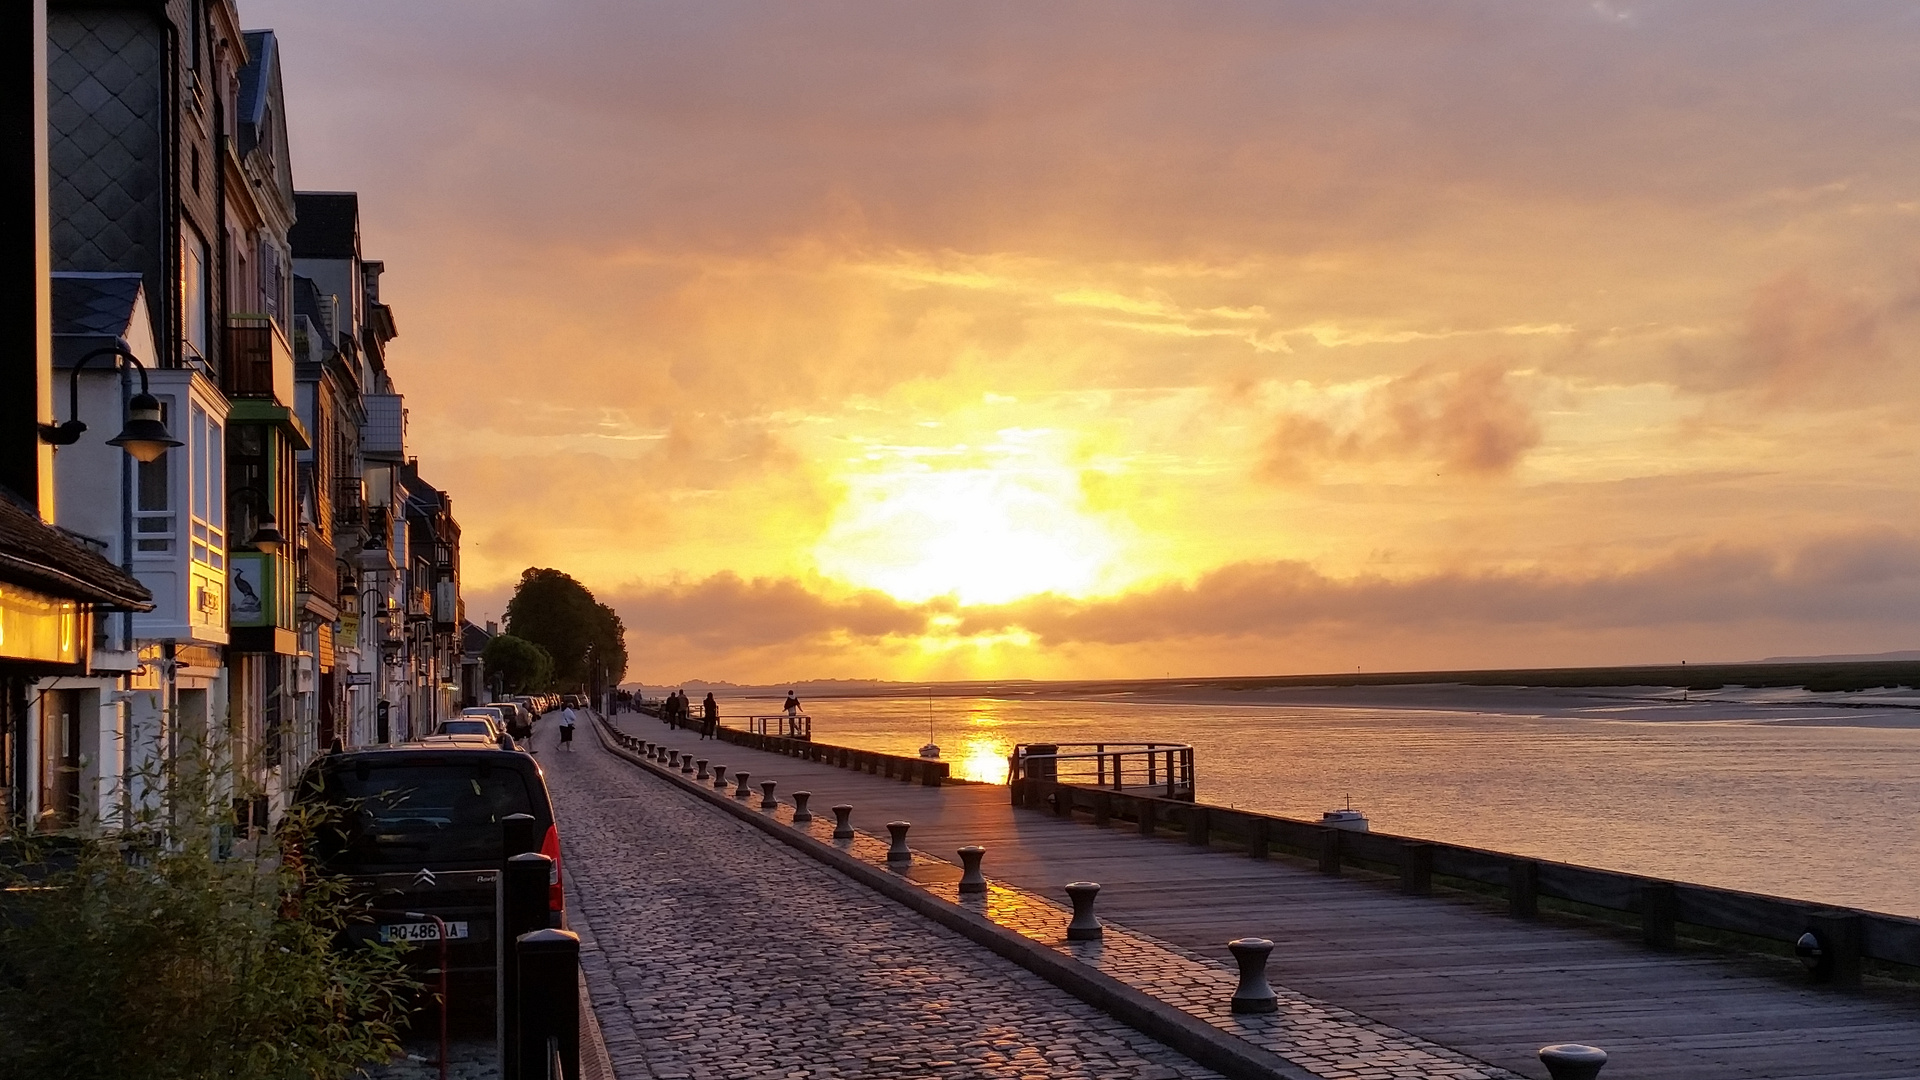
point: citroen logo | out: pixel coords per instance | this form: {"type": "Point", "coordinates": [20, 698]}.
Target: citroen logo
{"type": "Point", "coordinates": [424, 877]}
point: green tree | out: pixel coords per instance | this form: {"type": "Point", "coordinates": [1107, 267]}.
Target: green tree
{"type": "Point", "coordinates": [521, 666]}
{"type": "Point", "coordinates": [584, 637]}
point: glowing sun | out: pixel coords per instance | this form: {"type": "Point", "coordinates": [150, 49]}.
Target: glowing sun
{"type": "Point", "coordinates": [982, 536]}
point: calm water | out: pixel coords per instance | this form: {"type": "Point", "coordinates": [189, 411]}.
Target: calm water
{"type": "Point", "coordinates": [1817, 806]}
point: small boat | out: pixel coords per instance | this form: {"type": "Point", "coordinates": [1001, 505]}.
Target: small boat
{"type": "Point", "coordinates": [929, 751]}
{"type": "Point", "coordinates": [1350, 819]}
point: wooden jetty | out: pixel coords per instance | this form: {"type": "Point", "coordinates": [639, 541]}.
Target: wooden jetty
{"type": "Point", "coordinates": [1450, 968]}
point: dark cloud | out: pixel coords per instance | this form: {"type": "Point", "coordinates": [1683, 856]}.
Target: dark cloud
{"type": "Point", "coordinates": [1471, 422]}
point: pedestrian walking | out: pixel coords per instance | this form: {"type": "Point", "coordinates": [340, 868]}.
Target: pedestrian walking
{"type": "Point", "coordinates": [566, 729]}
{"type": "Point", "coordinates": [709, 718]}
{"type": "Point", "coordinates": [793, 705]}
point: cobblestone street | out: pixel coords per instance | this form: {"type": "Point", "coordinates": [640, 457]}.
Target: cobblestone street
{"type": "Point", "coordinates": [721, 953]}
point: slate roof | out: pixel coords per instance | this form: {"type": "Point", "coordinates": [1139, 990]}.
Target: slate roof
{"type": "Point", "coordinates": [261, 56]}
{"type": "Point", "coordinates": [91, 310]}
{"type": "Point", "coordinates": [40, 557]}
{"type": "Point", "coordinates": [326, 225]}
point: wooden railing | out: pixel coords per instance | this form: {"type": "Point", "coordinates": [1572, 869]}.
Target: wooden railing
{"type": "Point", "coordinates": [1165, 769]}
{"type": "Point", "coordinates": [930, 772]}
{"type": "Point", "coordinates": [1661, 907]}
{"type": "Point", "coordinates": [798, 726]}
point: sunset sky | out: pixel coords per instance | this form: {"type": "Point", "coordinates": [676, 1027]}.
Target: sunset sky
{"type": "Point", "coordinates": [966, 340]}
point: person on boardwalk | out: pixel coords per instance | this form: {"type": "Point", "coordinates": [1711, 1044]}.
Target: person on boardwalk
{"type": "Point", "coordinates": [566, 729]}
{"type": "Point", "coordinates": [793, 705]}
{"type": "Point", "coordinates": [709, 718]}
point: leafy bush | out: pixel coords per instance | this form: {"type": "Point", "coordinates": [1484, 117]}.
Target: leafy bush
{"type": "Point", "coordinates": [155, 954]}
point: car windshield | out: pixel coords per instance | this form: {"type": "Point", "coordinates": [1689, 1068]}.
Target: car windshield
{"type": "Point", "coordinates": [415, 813]}
{"type": "Point", "coordinates": [476, 726]}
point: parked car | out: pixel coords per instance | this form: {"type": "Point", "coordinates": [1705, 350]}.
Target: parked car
{"type": "Point", "coordinates": [469, 724]}
{"type": "Point", "coordinates": [417, 828]}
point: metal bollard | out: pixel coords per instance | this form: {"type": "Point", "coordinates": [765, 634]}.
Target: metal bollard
{"type": "Point", "coordinates": [516, 835]}
{"type": "Point", "coordinates": [701, 763]}
{"type": "Point", "coordinates": [741, 791]}
{"type": "Point", "coordinates": [971, 879]}
{"type": "Point", "coordinates": [843, 822]}
{"type": "Point", "coordinates": [686, 763]}
{"type": "Point", "coordinates": [1084, 926]}
{"type": "Point", "coordinates": [523, 909]}
{"type": "Point", "coordinates": [549, 1004]}
{"type": "Point", "coordinates": [1254, 994]}
{"type": "Point", "coordinates": [673, 759]}
{"type": "Point", "coordinates": [1572, 1061]}
{"type": "Point", "coordinates": [898, 851]}
{"type": "Point", "coordinates": [719, 776]}
{"type": "Point", "coordinates": [767, 801]}
{"type": "Point", "coordinates": [801, 815]}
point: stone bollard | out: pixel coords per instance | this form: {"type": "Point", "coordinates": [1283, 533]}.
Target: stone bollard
{"type": "Point", "coordinates": [646, 749]}
{"type": "Point", "coordinates": [701, 763]}
{"type": "Point", "coordinates": [898, 851]}
{"type": "Point", "coordinates": [1572, 1061]}
{"type": "Point", "coordinates": [971, 879]}
{"type": "Point", "coordinates": [767, 801]}
{"type": "Point", "coordinates": [673, 759]}
{"type": "Point", "coordinates": [843, 822]}
{"type": "Point", "coordinates": [719, 776]}
{"type": "Point", "coordinates": [801, 815]}
{"type": "Point", "coordinates": [740, 791]}
{"type": "Point", "coordinates": [686, 763]}
{"type": "Point", "coordinates": [1084, 926]}
{"type": "Point", "coordinates": [1254, 994]}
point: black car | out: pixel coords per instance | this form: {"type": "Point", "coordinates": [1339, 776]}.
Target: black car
{"type": "Point", "coordinates": [418, 829]}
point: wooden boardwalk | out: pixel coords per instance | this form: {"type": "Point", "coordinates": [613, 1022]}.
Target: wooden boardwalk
{"type": "Point", "coordinates": [1450, 970]}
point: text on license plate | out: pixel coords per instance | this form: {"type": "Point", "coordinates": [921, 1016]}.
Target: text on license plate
{"type": "Point", "coordinates": [421, 931]}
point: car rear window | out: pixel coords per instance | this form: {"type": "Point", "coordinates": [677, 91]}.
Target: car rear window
{"type": "Point", "coordinates": [465, 727]}
{"type": "Point", "coordinates": [419, 813]}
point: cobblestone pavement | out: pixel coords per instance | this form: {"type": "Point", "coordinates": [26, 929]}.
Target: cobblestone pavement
{"type": "Point", "coordinates": [1323, 1039]}
{"type": "Point", "coordinates": [720, 952]}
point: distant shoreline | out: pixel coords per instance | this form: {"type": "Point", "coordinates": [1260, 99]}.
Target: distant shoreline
{"type": "Point", "coordinates": [1815, 676]}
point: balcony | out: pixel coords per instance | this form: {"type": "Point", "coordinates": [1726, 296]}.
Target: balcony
{"type": "Point", "coordinates": [349, 502]}
{"type": "Point", "coordinates": [259, 361]}
{"type": "Point", "coordinates": [384, 436]}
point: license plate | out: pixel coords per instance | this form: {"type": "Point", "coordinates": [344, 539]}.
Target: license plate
{"type": "Point", "coordinates": [422, 931]}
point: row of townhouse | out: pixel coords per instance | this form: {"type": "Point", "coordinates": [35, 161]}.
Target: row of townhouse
{"type": "Point", "coordinates": [304, 577]}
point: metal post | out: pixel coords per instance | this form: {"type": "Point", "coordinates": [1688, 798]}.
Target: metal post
{"type": "Point", "coordinates": [843, 822]}
{"type": "Point", "coordinates": [1254, 994]}
{"type": "Point", "coordinates": [1572, 1061]}
{"type": "Point", "coordinates": [523, 909]}
{"type": "Point", "coordinates": [719, 777]}
{"type": "Point", "coordinates": [898, 851]}
{"type": "Point", "coordinates": [971, 879]}
{"type": "Point", "coordinates": [516, 835]}
{"type": "Point", "coordinates": [801, 815]}
{"type": "Point", "coordinates": [549, 1004]}
{"type": "Point", "coordinates": [740, 791]}
{"type": "Point", "coordinates": [1084, 927]}
{"type": "Point", "coordinates": [767, 801]}
{"type": "Point", "coordinates": [701, 765]}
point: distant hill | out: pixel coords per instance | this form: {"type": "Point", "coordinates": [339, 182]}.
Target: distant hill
{"type": "Point", "coordinates": [1846, 658]}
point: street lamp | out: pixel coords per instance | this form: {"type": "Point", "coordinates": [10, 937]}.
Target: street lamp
{"type": "Point", "coordinates": [145, 435]}
{"type": "Point", "coordinates": [266, 537]}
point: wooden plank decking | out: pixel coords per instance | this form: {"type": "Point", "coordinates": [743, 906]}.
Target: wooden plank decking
{"type": "Point", "coordinates": [1447, 969]}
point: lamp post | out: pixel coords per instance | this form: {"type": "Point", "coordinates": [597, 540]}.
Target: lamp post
{"type": "Point", "coordinates": [145, 433]}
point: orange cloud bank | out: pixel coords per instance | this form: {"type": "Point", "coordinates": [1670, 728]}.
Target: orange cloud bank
{"type": "Point", "coordinates": [983, 339]}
